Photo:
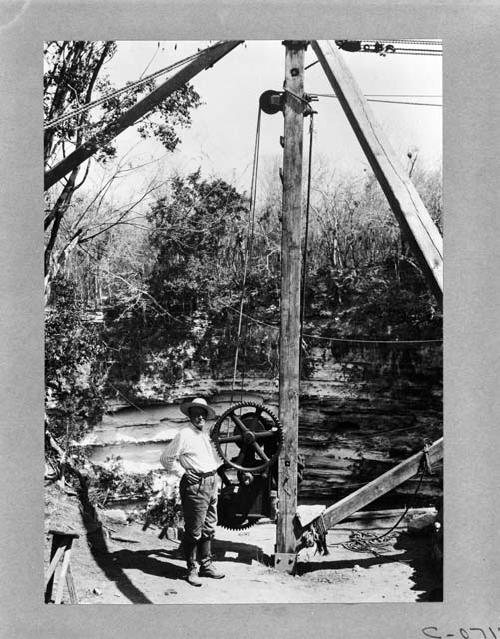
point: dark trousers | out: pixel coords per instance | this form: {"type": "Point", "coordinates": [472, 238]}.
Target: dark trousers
{"type": "Point", "coordinates": [199, 506]}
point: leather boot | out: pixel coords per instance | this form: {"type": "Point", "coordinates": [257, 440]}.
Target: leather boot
{"type": "Point", "coordinates": [207, 569]}
{"type": "Point", "coordinates": [190, 556]}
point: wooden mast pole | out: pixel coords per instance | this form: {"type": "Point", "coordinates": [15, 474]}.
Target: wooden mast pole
{"type": "Point", "coordinates": [293, 110]}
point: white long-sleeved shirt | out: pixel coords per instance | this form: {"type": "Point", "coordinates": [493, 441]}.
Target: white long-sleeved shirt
{"type": "Point", "coordinates": [190, 449]}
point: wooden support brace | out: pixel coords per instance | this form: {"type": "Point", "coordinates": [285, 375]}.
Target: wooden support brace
{"type": "Point", "coordinates": [381, 485]}
{"type": "Point", "coordinates": [410, 211]}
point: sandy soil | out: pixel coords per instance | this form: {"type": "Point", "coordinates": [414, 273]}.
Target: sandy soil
{"type": "Point", "coordinates": [130, 566]}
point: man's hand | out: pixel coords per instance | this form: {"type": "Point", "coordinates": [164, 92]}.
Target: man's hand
{"type": "Point", "coordinates": [191, 477]}
{"type": "Point", "coordinates": [246, 478]}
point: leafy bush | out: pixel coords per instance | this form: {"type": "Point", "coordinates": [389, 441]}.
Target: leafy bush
{"type": "Point", "coordinates": [109, 481]}
{"type": "Point", "coordinates": [73, 365]}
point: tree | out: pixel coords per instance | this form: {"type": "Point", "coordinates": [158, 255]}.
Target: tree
{"type": "Point", "coordinates": [195, 255]}
{"type": "Point", "coordinates": [198, 237]}
{"type": "Point", "coordinates": [74, 77]}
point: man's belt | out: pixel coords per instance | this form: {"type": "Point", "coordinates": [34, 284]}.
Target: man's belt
{"type": "Point", "coordinates": [203, 475]}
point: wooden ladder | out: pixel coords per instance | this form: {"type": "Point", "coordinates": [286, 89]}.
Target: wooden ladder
{"type": "Point", "coordinates": [61, 548]}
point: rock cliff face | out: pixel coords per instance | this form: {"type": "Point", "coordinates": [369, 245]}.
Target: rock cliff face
{"type": "Point", "coordinates": [362, 410]}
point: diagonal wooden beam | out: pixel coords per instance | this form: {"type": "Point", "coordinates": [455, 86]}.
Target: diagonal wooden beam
{"type": "Point", "coordinates": [410, 211]}
{"type": "Point", "coordinates": [206, 59]}
{"type": "Point", "coordinates": [380, 486]}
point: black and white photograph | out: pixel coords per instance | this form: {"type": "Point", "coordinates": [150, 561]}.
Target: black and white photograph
{"type": "Point", "coordinates": [243, 321]}
{"type": "Point", "coordinates": [238, 377]}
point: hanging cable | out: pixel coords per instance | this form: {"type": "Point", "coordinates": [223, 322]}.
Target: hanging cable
{"type": "Point", "coordinates": [415, 52]}
{"type": "Point", "coordinates": [436, 43]}
{"type": "Point", "coordinates": [306, 235]}
{"type": "Point", "coordinates": [332, 95]}
{"type": "Point", "coordinates": [250, 256]}
{"type": "Point", "coordinates": [346, 340]}
{"type": "Point", "coordinates": [249, 246]}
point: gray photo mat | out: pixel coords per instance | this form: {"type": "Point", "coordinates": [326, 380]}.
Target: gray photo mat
{"type": "Point", "coordinates": [472, 309]}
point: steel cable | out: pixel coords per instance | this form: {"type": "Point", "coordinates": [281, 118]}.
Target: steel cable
{"type": "Point", "coordinates": [306, 234]}
{"type": "Point", "coordinates": [248, 247]}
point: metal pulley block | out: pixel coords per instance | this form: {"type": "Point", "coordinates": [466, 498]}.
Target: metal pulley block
{"type": "Point", "coordinates": [271, 102]}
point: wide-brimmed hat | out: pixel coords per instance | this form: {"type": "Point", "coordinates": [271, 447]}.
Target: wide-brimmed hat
{"type": "Point", "coordinates": [198, 402]}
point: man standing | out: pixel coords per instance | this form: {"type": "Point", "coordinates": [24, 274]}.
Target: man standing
{"type": "Point", "coordinates": [192, 456]}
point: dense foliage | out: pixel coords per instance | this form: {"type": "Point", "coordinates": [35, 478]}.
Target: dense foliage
{"type": "Point", "coordinates": [362, 281]}
{"type": "Point", "coordinates": [74, 372]}
{"type": "Point", "coordinates": [109, 481]}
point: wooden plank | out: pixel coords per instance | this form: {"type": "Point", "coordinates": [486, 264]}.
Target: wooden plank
{"type": "Point", "coordinates": [290, 299]}
{"type": "Point", "coordinates": [56, 552]}
{"type": "Point", "coordinates": [378, 487]}
{"type": "Point", "coordinates": [62, 575]}
{"type": "Point", "coordinates": [176, 81]}
{"type": "Point", "coordinates": [71, 586]}
{"type": "Point", "coordinates": [402, 196]}
{"type": "Point", "coordinates": [49, 577]}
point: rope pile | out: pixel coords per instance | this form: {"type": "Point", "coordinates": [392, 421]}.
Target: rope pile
{"type": "Point", "coordinates": [360, 541]}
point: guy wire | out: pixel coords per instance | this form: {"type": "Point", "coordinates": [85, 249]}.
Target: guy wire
{"type": "Point", "coordinates": [248, 248]}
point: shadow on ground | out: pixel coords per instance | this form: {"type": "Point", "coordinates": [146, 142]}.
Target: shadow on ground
{"type": "Point", "coordinates": [144, 561]}
{"type": "Point", "coordinates": [107, 561]}
{"type": "Point", "coordinates": [343, 564]}
{"type": "Point", "coordinates": [224, 550]}
{"type": "Point", "coordinates": [427, 571]}
{"type": "Point", "coordinates": [417, 552]}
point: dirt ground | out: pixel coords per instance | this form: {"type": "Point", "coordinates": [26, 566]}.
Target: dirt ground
{"type": "Point", "coordinates": [132, 566]}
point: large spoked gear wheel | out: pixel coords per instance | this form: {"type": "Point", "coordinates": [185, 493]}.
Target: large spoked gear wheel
{"type": "Point", "coordinates": [251, 431]}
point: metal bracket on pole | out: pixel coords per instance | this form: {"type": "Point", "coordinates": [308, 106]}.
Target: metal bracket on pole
{"type": "Point", "coordinates": [285, 561]}
{"type": "Point", "coordinates": [426, 460]}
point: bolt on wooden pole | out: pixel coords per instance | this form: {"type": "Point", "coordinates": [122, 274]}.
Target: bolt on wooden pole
{"type": "Point", "coordinates": [290, 301]}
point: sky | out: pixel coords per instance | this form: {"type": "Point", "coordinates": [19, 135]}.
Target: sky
{"type": "Point", "coordinates": [221, 138]}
